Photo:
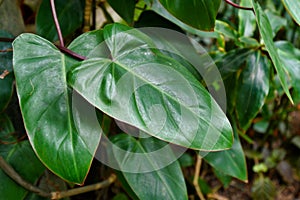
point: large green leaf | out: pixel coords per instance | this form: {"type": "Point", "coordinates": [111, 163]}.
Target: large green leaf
{"type": "Point", "coordinates": [70, 17]}
{"type": "Point", "coordinates": [125, 8]}
{"type": "Point", "coordinates": [138, 85]}
{"type": "Point", "coordinates": [253, 88]}
{"type": "Point", "coordinates": [21, 157]}
{"type": "Point", "coordinates": [6, 84]}
{"type": "Point", "coordinates": [293, 7]}
{"type": "Point", "coordinates": [210, 12]}
{"type": "Point", "coordinates": [162, 183]}
{"type": "Point", "coordinates": [230, 162]}
{"type": "Point", "coordinates": [276, 21]}
{"type": "Point", "coordinates": [265, 30]}
{"type": "Point", "coordinates": [63, 139]}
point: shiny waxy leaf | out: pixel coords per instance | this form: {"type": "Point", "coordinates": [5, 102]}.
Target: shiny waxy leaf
{"type": "Point", "coordinates": [63, 139]}
{"type": "Point", "coordinates": [138, 85]}
{"type": "Point", "coordinates": [253, 88]}
{"type": "Point", "coordinates": [165, 183]}
{"type": "Point", "coordinates": [6, 75]}
{"type": "Point", "coordinates": [247, 23]}
{"type": "Point", "coordinates": [70, 17]}
{"type": "Point", "coordinates": [288, 55]}
{"type": "Point", "coordinates": [125, 8]}
{"type": "Point", "coordinates": [265, 30]}
{"type": "Point", "coordinates": [230, 162]}
{"type": "Point", "coordinates": [182, 18]}
{"type": "Point", "coordinates": [21, 157]}
{"type": "Point", "coordinates": [293, 7]}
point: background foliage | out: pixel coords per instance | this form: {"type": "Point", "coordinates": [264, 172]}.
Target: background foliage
{"type": "Point", "coordinates": [255, 46]}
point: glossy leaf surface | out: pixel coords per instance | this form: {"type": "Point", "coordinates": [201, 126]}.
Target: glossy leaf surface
{"type": "Point", "coordinates": [293, 8]}
{"type": "Point", "coordinates": [165, 183]}
{"type": "Point", "coordinates": [61, 137]}
{"type": "Point", "coordinates": [6, 80]}
{"type": "Point", "coordinates": [265, 30]}
{"type": "Point", "coordinates": [125, 8]}
{"type": "Point", "coordinates": [230, 162]}
{"type": "Point", "coordinates": [188, 12]}
{"type": "Point", "coordinates": [158, 7]}
{"type": "Point", "coordinates": [138, 85]}
{"type": "Point", "coordinates": [291, 60]}
{"type": "Point", "coordinates": [253, 88]}
{"type": "Point", "coordinates": [70, 17]}
{"type": "Point", "coordinates": [21, 157]}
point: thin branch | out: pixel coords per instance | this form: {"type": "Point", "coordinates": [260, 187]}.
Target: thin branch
{"type": "Point", "coordinates": [53, 195]}
{"type": "Point", "coordinates": [196, 177]}
{"type": "Point", "coordinates": [18, 179]}
{"type": "Point", "coordinates": [89, 188]}
{"type": "Point", "coordinates": [61, 40]}
{"type": "Point", "coordinates": [6, 39]}
{"type": "Point", "coordinates": [6, 50]}
{"type": "Point", "coordinates": [238, 6]}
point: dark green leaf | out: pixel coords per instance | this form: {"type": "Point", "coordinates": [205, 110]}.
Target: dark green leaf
{"type": "Point", "coordinates": [230, 162]}
{"type": "Point", "coordinates": [21, 157]}
{"type": "Point", "coordinates": [56, 122]}
{"type": "Point", "coordinates": [265, 30]}
{"type": "Point", "coordinates": [293, 7]}
{"type": "Point", "coordinates": [276, 21]}
{"type": "Point", "coordinates": [164, 183]}
{"type": "Point", "coordinates": [253, 88]}
{"type": "Point", "coordinates": [125, 8]}
{"type": "Point", "coordinates": [6, 80]}
{"type": "Point", "coordinates": [130, 85]}
{"type": "Point", "coordinates": [70, 17]}
{"type": "Point", "coordinates": [290, 59]}
{"type": "Point", "coordinates": [209, 13]}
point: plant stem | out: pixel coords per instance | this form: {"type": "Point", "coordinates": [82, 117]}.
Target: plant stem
{"type": "Point", "coordinates": [61, 40]}
{"type": "Point", "coordinates": [237, 6]}
{"type": "Point", "coordinates": [18, 179]}
{"type": "Point", "coordinates": [89, 188]}
{"type": "Point", "coordinates": [57, 194]}
{"type": "Point", "coordinates": [70, 53]}
{"type": "Point", "coordinates": [196, 177]}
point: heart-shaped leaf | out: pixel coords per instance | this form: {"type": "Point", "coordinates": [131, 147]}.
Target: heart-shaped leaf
{"type": "Point", "coordinates": [55, 121]}
{"type": "Point", "coordinates": [138, 85]}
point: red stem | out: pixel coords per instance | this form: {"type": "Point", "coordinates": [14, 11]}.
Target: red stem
{"type": "Point", "coordinates": [237, 6]}
{"type": "Point", "coordinates": [61, 40]}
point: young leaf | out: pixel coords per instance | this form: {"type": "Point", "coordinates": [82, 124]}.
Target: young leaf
{"type": "Point", "coordinates": [265, 30]}
{"type": "Point", "coordinates": [162, 183]}
{"type": "Point", "coordinates": [54, 120]}
{"type": "Point", "coordinates": [293, 8]}
{"type": "Point", "coordinates": [140, 86]}
{"type": "Point", "coordinates": [253, 88]}
{"type": "Point", "coordinates": [70, 17]}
